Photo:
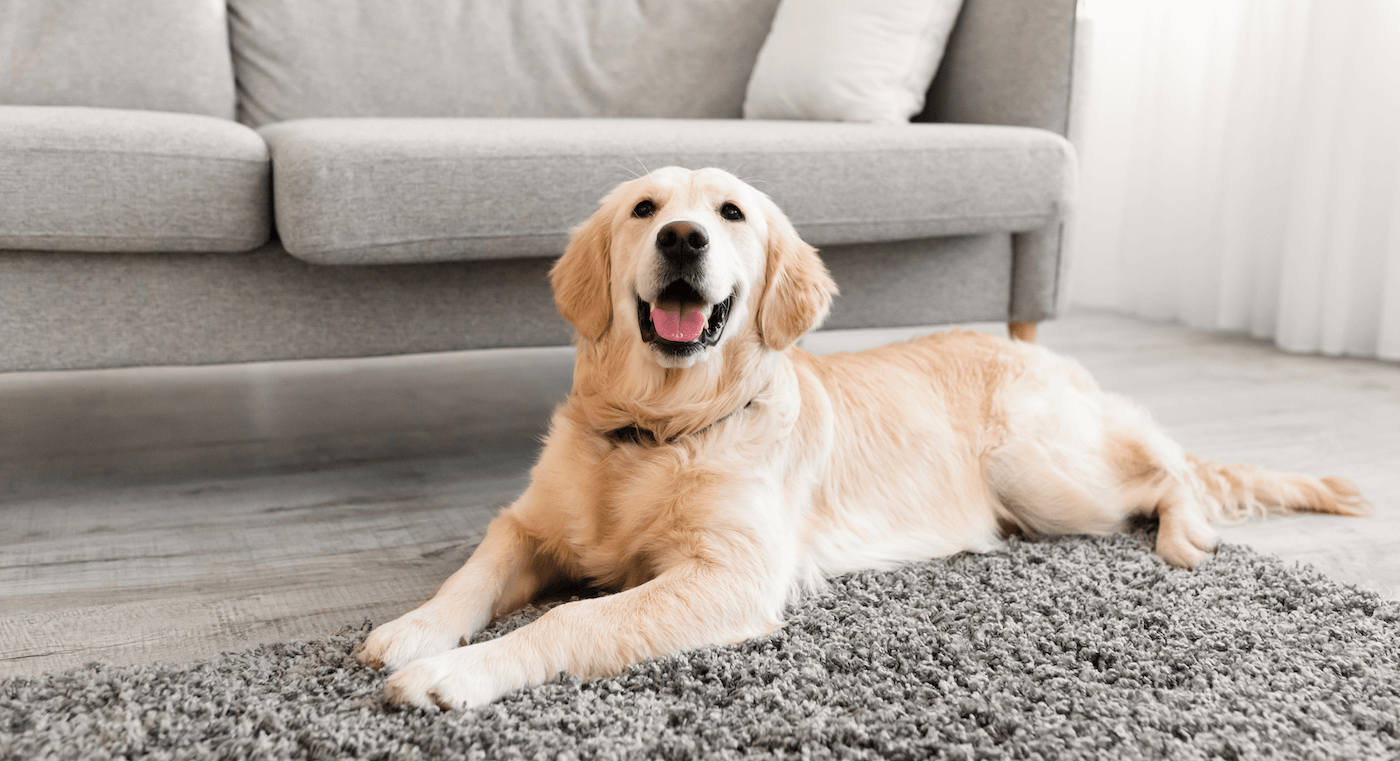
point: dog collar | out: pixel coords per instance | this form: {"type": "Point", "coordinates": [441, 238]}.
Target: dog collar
{"type": "Point", "coordinates": [636, 434]}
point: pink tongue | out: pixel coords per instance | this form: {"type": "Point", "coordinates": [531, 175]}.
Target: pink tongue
{"type": "Point", "coordinates": [681, 325]}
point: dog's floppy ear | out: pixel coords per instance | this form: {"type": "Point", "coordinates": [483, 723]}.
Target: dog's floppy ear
{"type": "Point", "coordinates": [798, 289]}
{"type": "Point", "coordinates": [580, 277]}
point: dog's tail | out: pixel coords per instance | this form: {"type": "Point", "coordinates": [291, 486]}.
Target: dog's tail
{"type": "Point", "coordinates": [1234, 493]}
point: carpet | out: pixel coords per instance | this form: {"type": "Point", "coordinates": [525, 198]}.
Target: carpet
{"type": "Point", "coordinates": [1056, 649]}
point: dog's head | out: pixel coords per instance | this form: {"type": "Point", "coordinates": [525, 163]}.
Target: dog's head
{"type": "Point", "coordinates": [685, 262]}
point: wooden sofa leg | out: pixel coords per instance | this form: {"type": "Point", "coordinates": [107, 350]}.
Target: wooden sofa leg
{"type": "Point", "coordinates": [1022, 331]}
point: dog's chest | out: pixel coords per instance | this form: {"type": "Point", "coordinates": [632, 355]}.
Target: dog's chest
{"type": "Point", "coordinates": [649, 504]}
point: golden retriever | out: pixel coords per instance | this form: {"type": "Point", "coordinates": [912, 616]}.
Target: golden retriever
{"type": "Point", "coordinates": [709, 470]}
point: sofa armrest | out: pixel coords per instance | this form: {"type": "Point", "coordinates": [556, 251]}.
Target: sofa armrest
{"type": "Point", "coordinates": [1007, 62]}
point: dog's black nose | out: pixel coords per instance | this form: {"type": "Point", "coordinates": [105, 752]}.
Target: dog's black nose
{"type": "Point", "coordinates": [682, 241]}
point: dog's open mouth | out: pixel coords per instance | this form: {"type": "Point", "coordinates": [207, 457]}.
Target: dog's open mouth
{"type": "Point", "coordinates": [681, 322]}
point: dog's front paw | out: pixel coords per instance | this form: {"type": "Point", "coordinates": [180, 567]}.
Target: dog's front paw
{"type": "Point", "coordinates": [410, 637]}
{"type": "Point", "coordinates": [455, 679]}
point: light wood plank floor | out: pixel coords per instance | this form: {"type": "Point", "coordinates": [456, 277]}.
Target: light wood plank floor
{"type": "Point", "coordinates": [140, 569]}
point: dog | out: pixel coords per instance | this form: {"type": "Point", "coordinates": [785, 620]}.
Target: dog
{"type": "Point", "coordinates": [707, 470]}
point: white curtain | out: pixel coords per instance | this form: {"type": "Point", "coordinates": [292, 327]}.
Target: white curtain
{"type": "Point", "coordinates": [1241, 168]}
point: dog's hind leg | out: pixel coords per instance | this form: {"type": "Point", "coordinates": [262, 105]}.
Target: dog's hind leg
{"type": "Point", "coordinates": [1093, 462]}
{"type": "Point", "coordinates": [505, 572]}
{"type": "Point", "coordinates": [1151, 477]}
{"type": "Point", "coordinates": [1187, 493]}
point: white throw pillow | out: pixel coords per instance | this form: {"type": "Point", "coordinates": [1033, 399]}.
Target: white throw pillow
{"type": "Point", "coordinates": [848, 60]}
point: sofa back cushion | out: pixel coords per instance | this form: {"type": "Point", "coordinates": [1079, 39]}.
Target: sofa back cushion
{"type": "Point", "coordinates": [484, 58]}
{"type": "Point", "coordinates": [154, 55]}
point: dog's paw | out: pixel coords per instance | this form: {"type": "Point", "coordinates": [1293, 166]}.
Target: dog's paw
{"type": "Point", "coordinates": [410, 637]}
{"type": "Point", "coordinates": [1185, 539]}
{"type": "Point", "coordinates": [1181, 554]}
{"type": "Point", "coordinates": [455, 679]}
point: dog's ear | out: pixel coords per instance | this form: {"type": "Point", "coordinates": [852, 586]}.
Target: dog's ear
{"type": "Point", "coordinates": [798, 290]}
{"type": "Point", "coordinates": [580, 277]}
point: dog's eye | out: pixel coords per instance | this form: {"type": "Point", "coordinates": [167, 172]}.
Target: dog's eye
{"type": "Point", "coordinates": [644, 209]}
{"type": "Point", "coordinates": [731, 212]}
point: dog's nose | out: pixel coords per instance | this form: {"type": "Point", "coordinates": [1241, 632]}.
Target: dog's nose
{"type": "Point", "coordinates": [682, 241]}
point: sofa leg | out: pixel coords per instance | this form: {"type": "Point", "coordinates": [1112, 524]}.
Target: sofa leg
{"type": "Point", "coordinates": [1022, 331]}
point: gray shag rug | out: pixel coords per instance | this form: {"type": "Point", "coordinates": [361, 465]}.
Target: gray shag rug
{"type": "Point", "coordinates": [1067, 648]}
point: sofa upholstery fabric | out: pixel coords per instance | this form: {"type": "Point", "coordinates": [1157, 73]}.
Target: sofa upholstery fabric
{"type": "Point", "coordinates": [81, 310]}
{"type": "Point", "coordinates": [468, 58]}
{"type": "Point", "coordinates": [159, 55]}
{"type": "Point", "coordinates": [84, 310]}
{"type": "Point", "coordinates": [87, 179]}
{"type": "Point", "coordinates": [1007, 62]}
{"type": "Point", "coordinates": [368, 191]}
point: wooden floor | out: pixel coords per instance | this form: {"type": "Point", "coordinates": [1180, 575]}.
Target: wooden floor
{"type": "Point", "coordinates": [131, 570]}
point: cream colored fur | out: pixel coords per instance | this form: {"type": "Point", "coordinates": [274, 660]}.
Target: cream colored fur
{"type": "Point", "coordinates": [772, 468]}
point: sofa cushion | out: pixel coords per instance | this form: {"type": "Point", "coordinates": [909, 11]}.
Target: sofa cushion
{"type": "Point", "coordinates": [142, 54]}
{"type": "Point", "coordinates": [469, 58]}
{"type": "Point", "coordinates": [835, 60]}
{"type": "Point", "coordinates": [363, 191]}
{"type": "Point", "coordinates": [87, 179]}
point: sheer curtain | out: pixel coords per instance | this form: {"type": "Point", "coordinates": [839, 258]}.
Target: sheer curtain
{"type": "Point", "coordinates": [1241, 168]}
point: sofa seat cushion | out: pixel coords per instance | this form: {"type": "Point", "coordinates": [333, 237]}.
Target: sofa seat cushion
{"type": "Point", "coordinates": [87, 179]}
{"type": "Point", "coordinates": [370, 191]}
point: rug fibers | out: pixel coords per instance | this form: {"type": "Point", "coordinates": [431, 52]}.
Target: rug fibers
{"type": "Point", "coordinates": [1058, 649]}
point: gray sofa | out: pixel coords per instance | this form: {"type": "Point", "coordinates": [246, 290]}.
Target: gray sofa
{"type": "Point", "coordinates": [196, 183]}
